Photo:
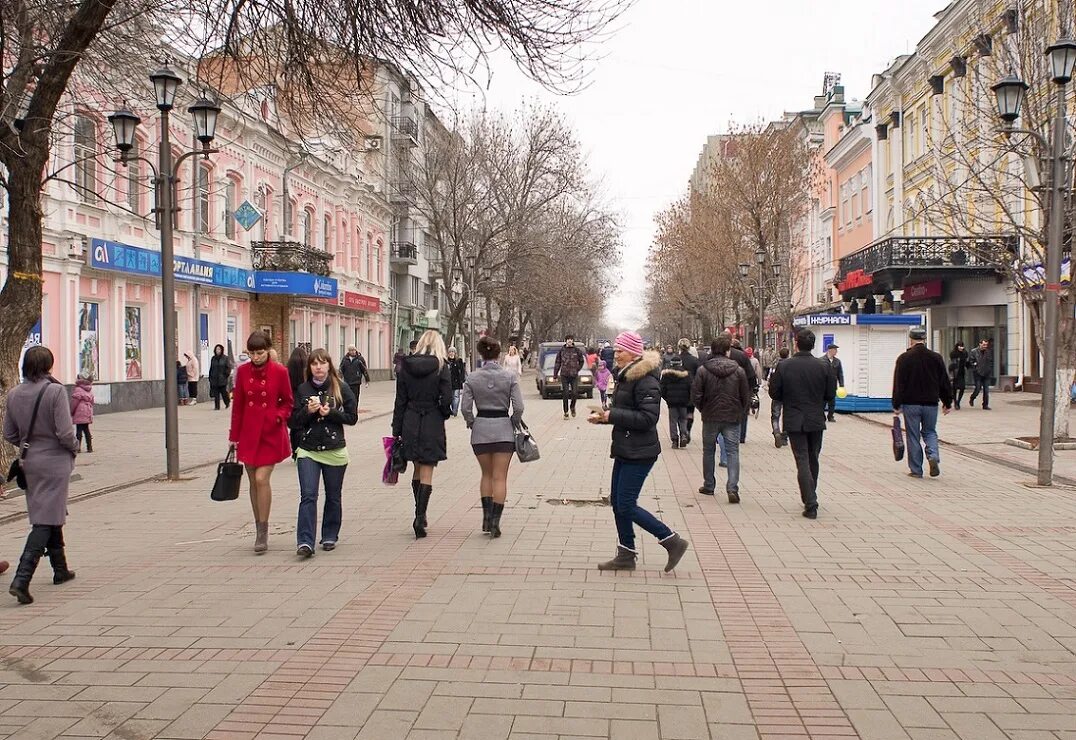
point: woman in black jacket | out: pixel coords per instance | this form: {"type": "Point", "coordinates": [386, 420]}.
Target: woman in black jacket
{"type": "Point", "coordinates": [423, 403]}
{"type": "Point", "coordinates": [958, 371]}
{"type": "Point", "coordinates": [323, 406]}
{"type": "Point", "coordinates": [634, 416]}
{"type": "Point", "coordinates": [676, 392]}
{"type": "Point", "coordinates": [220, 369]}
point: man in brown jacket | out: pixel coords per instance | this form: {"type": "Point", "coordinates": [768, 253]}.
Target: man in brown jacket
{"type": "Point", "coordinates": [722, 395]}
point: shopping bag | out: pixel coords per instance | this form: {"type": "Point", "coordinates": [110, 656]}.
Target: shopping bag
{"type": "Point", "coordinates": [898, 439]}
{"type": "Point", "coordinates": [389, 476]}
{"type": "Point", "coordinates": [526, 447]}
{"type": "Point", "coordinates": [229, 476]}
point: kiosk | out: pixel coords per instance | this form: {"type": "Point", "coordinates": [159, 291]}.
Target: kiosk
{"type": "Point", "coordinates": [868, 346]}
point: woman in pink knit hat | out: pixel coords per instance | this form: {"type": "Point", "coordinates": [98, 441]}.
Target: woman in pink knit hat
{"type": "Point", "coordinates": [634, 415]}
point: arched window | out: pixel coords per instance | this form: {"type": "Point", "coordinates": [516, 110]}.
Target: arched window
{"type": "Point", "coordinates": [85, 157]}
{"type": "Point", "coordinates": [327, 230]}
{"type": "Point", "coordinates": [308, 226]}
{"type": "Point", "coordinates": [231, 198]}
{"type": "Point", "coordinates": [200, 204]}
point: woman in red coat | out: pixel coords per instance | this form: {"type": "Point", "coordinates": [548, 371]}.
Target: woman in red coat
{"type": "Point", "coordinates": [263, 403]}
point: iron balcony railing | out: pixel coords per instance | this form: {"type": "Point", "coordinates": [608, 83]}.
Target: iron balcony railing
{"type": "Point", "coordinates": [947, 252]}
{"type": "Point", "coordinates": [290, 257]}
{"type": "Point", "coordinates": [405, 126]}
{"type": "Point", "coordinates": [404, 252]}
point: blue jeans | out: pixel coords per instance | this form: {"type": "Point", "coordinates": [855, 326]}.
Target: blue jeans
{"type": "Point", "coordinates": [310, 474]}
{"type": "Point", "coordinates": [456, 401]}
{"type": "Point", "coordinates": [727, 436]}
{"type": "Point", "coordinates": [921, 428]}
{"type": "Point", "coordinates": [627, 483]}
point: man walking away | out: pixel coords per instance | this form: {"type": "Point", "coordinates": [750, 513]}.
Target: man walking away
{"type": "Point", "coordinates": [920, 380]}
{"type": "Point", "coordinates": [570, 360]}
{"type": "Point", "coordinates": [736, 353]}
{"type": "Point", "coordinates": [354, 371]}
{"type": "Point", "coordinates": [458, 368]}
{"type": "Point", "coordinates": [722, 395]}
{"type": "Point", "coordinates": [981, 362]}
{"type": "Point", "coordinates": [803, 385]}
{"type": "Point", "coordinates": [676, 392]}
{"type": "Point", "coordinates": [780, 439]}
{"type": "Point", "coordinates": [838, 372]}
{"type": "Point", "coordinates": [691, 364]}
{"type": "Point", "coordinates": [607, 356]}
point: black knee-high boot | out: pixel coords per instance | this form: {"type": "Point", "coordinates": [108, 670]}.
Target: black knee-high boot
{"type": "Point", "coordinates": [487, 512]}
{"type": "Point", "coordinates": [58, 557]}
{"type": "Point", "coordinates": [495, 519]}
{"type": "Point", "coordinates": [36, 542]}
{"type": "Point", "coordinates": [422, 500]}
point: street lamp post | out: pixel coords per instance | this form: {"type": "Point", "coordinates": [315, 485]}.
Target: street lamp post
{"type": "Point", "coordinates": [760, 287]}
{"type": "Point", "coordinates": [1010, 92]}
{"type": "Point", "coordinates": [124, 123]}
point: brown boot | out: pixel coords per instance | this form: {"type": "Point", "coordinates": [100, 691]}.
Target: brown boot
{"type": "Point", "coordinates": [624, 560]}
{"type": "Point", "coordinates": [676, 546]}
{"type": "Point", "coordinates": [261, 539]}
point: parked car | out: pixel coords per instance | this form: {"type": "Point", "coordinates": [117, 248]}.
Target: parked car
{"type": "Point", "coordinates": [550, 387]}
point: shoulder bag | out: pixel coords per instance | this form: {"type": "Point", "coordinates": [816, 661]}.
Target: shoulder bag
{"type": "Point", "coordinates": [229, 476]}
{"type": "Point", "coordinates": [526, 447]}
{"type": "Point", "coordinates": [15, 472]}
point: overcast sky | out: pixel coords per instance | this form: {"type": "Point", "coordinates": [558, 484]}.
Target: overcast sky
{"type": "Point", "coordinates": [679, 70]}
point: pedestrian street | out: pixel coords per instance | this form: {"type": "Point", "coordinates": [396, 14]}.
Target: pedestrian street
{"type": "Point", "coordinates": [925, 609]}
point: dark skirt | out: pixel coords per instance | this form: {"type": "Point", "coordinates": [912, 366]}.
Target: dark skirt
{"type": "Point", "coordinates": [490, 448]}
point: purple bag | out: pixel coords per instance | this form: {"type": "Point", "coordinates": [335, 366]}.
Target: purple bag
{"type": "Point", "coordinates": [389, 476]}
{"type": "Point", "coordinates": [898, 439]}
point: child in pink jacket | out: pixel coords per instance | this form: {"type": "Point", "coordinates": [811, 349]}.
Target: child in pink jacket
{"type": "Point", "coordinates": [602, 376]}
{"type": "Point", "coordinates": [82, 411]}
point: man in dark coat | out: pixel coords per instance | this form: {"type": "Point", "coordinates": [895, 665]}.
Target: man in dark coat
{"type": "Point", "coordinates": [803, 385]}
{"type": "Point", "coordinates": [570, 361]}
{"type": "Point", "coordinates": [920, 381]}
{"type": "Point", "coordinates": [353, 370]}
{"type": "Point", "coordinates": [458, 368]}
{"type": "Point", "coordinates": [691, 364]}
{"type": "Point", "coordinates": [722, 395]}
{"type": "Point", "coordinates": [837, 369]}
{"type": "Point", "coordinates": [981, 362]}
{"type": "Point", "coordinates": [737, 354]}
{"type": "Point", "coordinates": [780, 439]}
{"type": "Point", "coordinates": [676, 392]}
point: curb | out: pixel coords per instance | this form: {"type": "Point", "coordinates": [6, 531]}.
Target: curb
{"type": "Point", "coordinates": [9, 518]}
{"type": "Point", "coordinates": [976, 455]}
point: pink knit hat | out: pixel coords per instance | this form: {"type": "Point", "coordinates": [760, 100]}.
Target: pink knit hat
{"type": "Point", "coordinates": [630, 342]}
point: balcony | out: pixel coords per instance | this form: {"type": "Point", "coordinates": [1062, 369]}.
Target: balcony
{"type": "Point", "coordinates": [402, 193]}
{"type": "Point", "coordinates": [405, 131]}
{"type": "Point", "coordinates": [290, 257]}
{"type": "Point", "coordinates": [937, 254]}
{"type": "Point", "coordinates": [404, 253]}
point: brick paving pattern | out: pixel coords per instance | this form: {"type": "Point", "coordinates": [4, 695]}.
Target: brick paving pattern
{"type": "Point", "coordinates": [921, 609]}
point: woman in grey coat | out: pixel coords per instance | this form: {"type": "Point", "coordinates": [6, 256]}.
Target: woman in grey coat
{"type": "Point", "coordinates": [494, 392]}
{"type": "Point", "coordinates": [49, 460]}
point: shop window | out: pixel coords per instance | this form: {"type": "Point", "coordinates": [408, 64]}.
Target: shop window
{"type": "Point", "coordinates": [85, 156]}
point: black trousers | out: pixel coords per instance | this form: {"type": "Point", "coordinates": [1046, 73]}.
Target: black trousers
{"type": "Point", "coordinates": [806, 447]}
{"type": "Point", "coordinates": [83, 430]}
{"type": "Point", "coordinates": [569, 386]}
{"type": "Point", "coordinates": [192, 389]}
{"type": "Point", "coordinates": [981, 384]}
{"type": "Point", "coordinates": [355, 388]}
{"type": "Point", "coordinates": [220, 393]}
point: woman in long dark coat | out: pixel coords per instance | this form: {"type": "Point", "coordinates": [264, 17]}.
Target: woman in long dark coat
{"type": "Point", "coordinates": [220, 371]}
{"type": "Point", "coordinates": [49, 460]}
{"type": "Point", "coordinates": [423, 403]}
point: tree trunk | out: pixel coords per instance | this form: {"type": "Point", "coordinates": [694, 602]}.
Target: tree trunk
{"type": "Point", "coordinates": [20, 299]}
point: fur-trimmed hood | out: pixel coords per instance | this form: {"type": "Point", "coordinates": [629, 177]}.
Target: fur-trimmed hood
{"type": "Point", "coordinates": [647, 364]}
{"type": "Point", "coordinates": [674, 373]}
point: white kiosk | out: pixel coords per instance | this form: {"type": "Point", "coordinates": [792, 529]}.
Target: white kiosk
{"type": "Point", "coordinates": [869, 344]}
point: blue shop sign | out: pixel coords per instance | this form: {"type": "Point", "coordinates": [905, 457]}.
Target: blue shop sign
{"type": "Point", "coordinates": [295, 283]}
{"type": "Point", "coordinates": [106, 255]}
{"type": "Point", "coordinates": [823, 319]}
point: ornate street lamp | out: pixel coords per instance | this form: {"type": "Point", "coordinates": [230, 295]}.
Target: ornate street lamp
{"type": "Point", "coordinates": [124, 124]}
{"type": "Point", "coordinates": [745, 269]}
{"type": "Point", "coordinates": [1062, 56]}
{"type": "Point", "coordinates": [205, 114]}
{"type": "Point", "coordinates": [165, 85]}
{"type": "Point", "coordinates": [1010, 95]}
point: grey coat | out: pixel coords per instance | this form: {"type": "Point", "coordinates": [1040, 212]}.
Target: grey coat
{"type": "Point", "coordinates": [492, 388]}
{"type": "Point", "coordinates": [51, 457]}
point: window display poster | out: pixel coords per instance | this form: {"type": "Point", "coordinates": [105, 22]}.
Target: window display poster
{"type": "Point", "coordinates": [132, 342]}
{"type": "Point", "coordinates": [33, 339]}
{"type": "Point", "coordinates": [89, 353]}
{"type": "Point", "coordinates": [203, 343]}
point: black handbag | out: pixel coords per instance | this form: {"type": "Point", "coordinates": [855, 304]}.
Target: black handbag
{"type": "Point", "coordinates": [526, 447]}
{"type": "Point", "coordinates": [398, 461]}
{"type": "Point", "coordinates": [229, 476]}
{"type": "Point", "coordinates": [15, 472]}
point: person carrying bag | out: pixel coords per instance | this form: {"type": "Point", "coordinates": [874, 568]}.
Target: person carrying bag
{"type": "Point", "coordinates": [229, 477]}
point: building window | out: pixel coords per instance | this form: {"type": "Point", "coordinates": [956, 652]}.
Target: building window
{"type": "Point", "coordinates": [134, 179]}
{"type": "Point", "coordinates": [416, 291]}
{"type": "Point", "coordinates": [909, 138]}
{"type": "Point", "coordinates": [328, 231]}
{"type": "Point", "coordinates": [377, 262]}
{"type": "Point", "coordinates": [200, 207]}
{"type": "Point", "coordinates": [231, 194]}
{"type": "Point", "coordinates": [308, 226]}
{"type": "Point", "coordinates": [85, 154]}
{"type": "Point", "coordinates": [289, 217]}
{"type": "Point", "coordinates": [853, 187]}
{"type": "Point", "coordinates": [865, 189]}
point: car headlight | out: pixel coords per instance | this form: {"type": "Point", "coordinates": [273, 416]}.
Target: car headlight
{"type": "Point", "coordinates": [550, 379]}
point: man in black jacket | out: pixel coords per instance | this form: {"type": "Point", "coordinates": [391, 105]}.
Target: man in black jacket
{"type": "Point", "coordinates": [570, 361]}
{"type": "Point", "coordinates": [722, 395]}
{"type": "Point", "coordinates": [803, 385]}
{"type": "Point", "coordinates": [741, 358]}
{"type": "Point", "coordinates": [838, 372]}
{"type": "Point", "coordinates": [920, 380]}
{"type": "Point", "coordinates": [458, 368]}
{"type": "Point", "coordinates": [353, 370]}
{"type": "Point", "coordinates": [691, 364]}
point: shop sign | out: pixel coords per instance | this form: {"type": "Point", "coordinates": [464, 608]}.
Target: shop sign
{"type": "Point", "coordinates": [918, 294]}
{"type": "Point", "coordinates": [106, 255]}
{"type": "Point", "coordinates": [823, 319]}
{"type": "Point", "coordinates": [855, 279]}
{"type": "Point", "coordinates": [354, 301]}
{"type": "Point", "coordinates": [295, 283]}
{"type": "Point", "coordinates": [247, 215]}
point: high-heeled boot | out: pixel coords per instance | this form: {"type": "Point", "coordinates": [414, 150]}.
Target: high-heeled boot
{"type": "Point", "coordinates": [31, 554]}
{"type": "Point", "coordinates": [495, 519]}
{"type": "Point", "coordinates": [487, 512]}
{"type": "Point", "coordinates": [422, 500]}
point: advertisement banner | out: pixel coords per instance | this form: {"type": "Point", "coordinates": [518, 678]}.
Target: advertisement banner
{"type": "Point", "coordinates": [295, 283]}
{"type": "Point", "coordinates": [920, 294]}
{"type": "Point", "coordinates": [106, 255]}
{"type": "Point", "coordinates": [354, 301]}
{"type": "Point", "coordinates": [89, 352]}
{"type": "Point", "coordinates": [33, 339]}
{"type": "Point", "coordinates": [132, 342]}
{"type": "Point", "coordinates": [823, 319]}
{"type": "Point", "coordinates": [203, 343]}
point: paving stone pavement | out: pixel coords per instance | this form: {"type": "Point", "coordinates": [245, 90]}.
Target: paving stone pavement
{"type": "Point", "coordinates": [922, 609]}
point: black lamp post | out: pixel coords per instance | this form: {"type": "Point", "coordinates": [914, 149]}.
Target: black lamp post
{"type": "Point", "coordinates": [124, 124]}
{"type": "Point", "coordinates": [1009, 93]}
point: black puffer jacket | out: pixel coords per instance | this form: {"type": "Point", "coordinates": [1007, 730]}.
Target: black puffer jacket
{"type": "Point", "coordinates": [423, 402]}
{"type": "Point", "coordinates": [676, 387]}
{"type": "Point", "coordinates": [316, 432]}
{"type": "Point", "coordinates": [636, 410]}
{"type": "Point", "coordinates": [721, 391]}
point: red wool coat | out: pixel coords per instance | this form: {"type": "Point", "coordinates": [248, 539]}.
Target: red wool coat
{"type": "Point", "coordinates": [262, 405]}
